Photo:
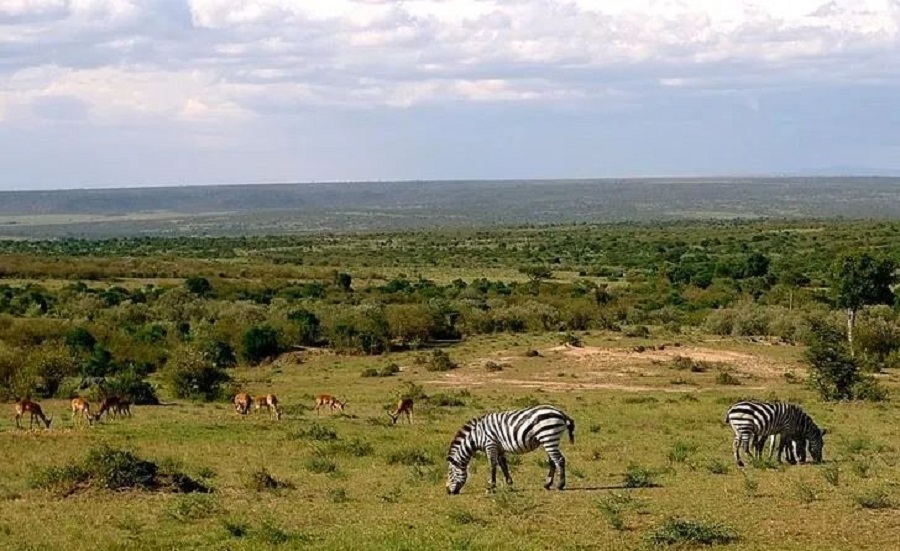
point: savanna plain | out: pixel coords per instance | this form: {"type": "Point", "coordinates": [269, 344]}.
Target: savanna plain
{"type": "Point", "coordinates": [644, 334]}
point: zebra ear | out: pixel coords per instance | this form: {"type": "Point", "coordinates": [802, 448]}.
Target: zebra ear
{"type": "Point", "coordinates": [824, 431]}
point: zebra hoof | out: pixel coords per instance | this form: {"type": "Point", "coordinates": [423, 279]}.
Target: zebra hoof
{"type": "Point", "coordinates": [548, 485]}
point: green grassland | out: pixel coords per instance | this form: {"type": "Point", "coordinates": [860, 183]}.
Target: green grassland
{"type": "Point", "coordinates": [375, 486]}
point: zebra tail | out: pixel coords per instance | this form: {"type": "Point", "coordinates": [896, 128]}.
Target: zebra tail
{"type": "Point", "coordinates": [570, 426]}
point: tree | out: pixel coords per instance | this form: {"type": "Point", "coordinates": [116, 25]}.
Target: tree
{"type": "Point", "coordinates": [793, 279]}
{"type": "Point", "coordinates": [260, 342]}
{"type": "Point", "coordinates": [757, 265]}
{"type": "Point", "coordinates": [308, 324]}
{"type": "Point", "coordinates": [536, 274]}
{"type": "Point", "coordinates": [190, 375]}
{"type": "Point", "coordinates": [860, 280]}
{"type": "Point", "coordinates": [344, 281]}
{"type": "Point", "coordinates": [834, 372]}
{"type": "Point", "coordinates": [199, 286]}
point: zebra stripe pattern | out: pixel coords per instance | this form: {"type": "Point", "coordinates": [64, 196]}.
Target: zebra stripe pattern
{"type": "Point", "coordinates": [756, 421]}
{"type": "Point", "coordinates": [500, 433]}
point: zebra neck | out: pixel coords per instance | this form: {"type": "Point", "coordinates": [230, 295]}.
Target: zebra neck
{"type": "Point", "coordinates": [465, 448]}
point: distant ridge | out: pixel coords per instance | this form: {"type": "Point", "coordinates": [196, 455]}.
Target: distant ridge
{"type": "Point", "coordinates": [366, 206]}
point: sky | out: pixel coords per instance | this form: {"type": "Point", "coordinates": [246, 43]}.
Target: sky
{"type": "Point", "coordinates": [123, 93]}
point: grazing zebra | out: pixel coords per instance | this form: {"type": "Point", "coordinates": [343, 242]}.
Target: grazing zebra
{"type": "Point", "coordinates": [503, 432]}
{"type": "Point", "coordinates": [755, 421]}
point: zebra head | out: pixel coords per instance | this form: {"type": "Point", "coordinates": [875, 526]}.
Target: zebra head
{"type": "Point", "coordinates": [458, 458]}
{"type": "Point", "coordinates": [816, 444]}
{"type": "Point", "coordinates": [456, 477]}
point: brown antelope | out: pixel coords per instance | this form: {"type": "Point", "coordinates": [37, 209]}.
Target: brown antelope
{"type": "Point", "coordinates": [114, 406]}
{"type": "Point", "coordinates": [242, 403]}
{"type": "Point", "coordinates": [124, 407]}
{"type": "Point", "coordinates": [27, 406]}
{"type": "Point", "coordinates": [270, 402]}
{"type": "Point", "coordinates": [82, 407]}
{"type": "Point", "coordinates": [405, 405]}
{"type": "Point", "coordinates": [327, 400]}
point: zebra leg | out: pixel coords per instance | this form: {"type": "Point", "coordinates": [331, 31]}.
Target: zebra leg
{"type": "Point", "coordinates": [561, 466]}
{"type": "Point", "coordinates": [737, 450]}
{"type": "Point", "coordinates": [504, 466]}
{"type": "Point", "coordinates": [493, 454]}
{"type": "Point", "coordinates": [551, 474]}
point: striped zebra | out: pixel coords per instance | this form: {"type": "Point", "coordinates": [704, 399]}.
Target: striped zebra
{"type": "Point", "coordinates": [503, 432]}
{"type": "Point", "coordinates": [756, 421]}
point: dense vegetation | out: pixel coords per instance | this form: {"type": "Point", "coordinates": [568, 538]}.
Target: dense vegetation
{"type": "Point", "coordinates": [77, 312]}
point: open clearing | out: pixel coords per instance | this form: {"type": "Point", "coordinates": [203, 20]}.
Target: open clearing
{"type": "Point", "coordinates": [375, 486]}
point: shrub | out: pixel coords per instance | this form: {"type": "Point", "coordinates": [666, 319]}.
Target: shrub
{"type": "Point", "coordinates": [315, 432]}
{"type": "Point", "coordinates": [446, 400]}
{"type": "Point", "coordinates": [261, 481]}
{"type": "Point", "coordinates": [320, 465]}
{"type": "Point", "coordinates": [387, 371]}
{"type": "Point", "coordinates": [355, 448]}
{"type": "Point", "coordinates": [337, 495]}
{"type": "Point", "coordinates": [112, 469]}
{"type": "Point", "coordinates": [832, 474]}
{"type": "Point", "coordinates": [193, 507]}
{"type": "Point", "coordinates": [409, 458]}
{"type": "Point", "coordinates": [189, 375]}
{"type": "Point", "coordinates": [834, 372]}
{"type": "Point", "coordinates": [260, 343]}
{"type": "Point", "coordinates": [439, 361]}
{"type": "Point", "coordinates": [717, 466]}
{"type": "Point", "coordinates": [571, 339]}
{"type": "Point", "coordinates": [639, 477]}
{"type": "Point", "coordinates": [681, 451]}
{"type": "Point", "coordinates": [724, 377]}
{"type": "Point", "coordinates": [676, 531]}
{"type": "Point", "coordinates": [638, 332]}
{"type": "Point", "coordinates": [874, 499]}
{"type": "Point", "coordinates": [492, 367]}
{"type": "Point", "coordinates": [130, 385]}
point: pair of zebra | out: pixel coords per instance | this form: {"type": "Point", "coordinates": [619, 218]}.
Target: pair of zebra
{"type": "Point", "coordinates": [524, 430]}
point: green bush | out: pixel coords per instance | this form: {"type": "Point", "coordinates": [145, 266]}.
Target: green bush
{"type": "Point", "coordinates": [676, 531]}
{"type": "Point", "coordinates": [639, 477]}
{"type": "Point", "coordinates": [439, 361]}
{"type": "Point", "coordinates": [260, 343]}
{"type": "Point", "coordinates": [112, 469]}
{"type": "Point", "coordinates": [189, 375]}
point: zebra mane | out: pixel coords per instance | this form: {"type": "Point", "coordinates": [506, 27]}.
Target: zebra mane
{"type": "Point", "coordinates": [461, 436]}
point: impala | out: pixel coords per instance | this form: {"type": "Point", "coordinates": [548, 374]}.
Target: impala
{"type": "Point", "coordinates": [327, 400]}
{"type": "Point", "coordinates": [270, 402]}
{"type": "Point", "coordinates": [27, 406]}
{"type": "Point", "coordinates": [82, 407]}
{"type": "Point", "coordinates": [242, 403]}
{"type": "Point", "coordinates": [405, 405]}
{"type": "Point", "coordinates": [114, 406]}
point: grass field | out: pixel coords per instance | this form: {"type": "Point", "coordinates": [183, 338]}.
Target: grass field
{"type": "Point", "coordinates": [352, 481]}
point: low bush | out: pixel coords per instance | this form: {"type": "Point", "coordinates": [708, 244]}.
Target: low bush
{"type": "Point", "coordinates": [409, 458]}
{"type": "Point", "coordinates": [639, 477]}
{"type": "Point", "coordinates": [112, 469]}
{"type": "Point", "coordinates": [675, 531]}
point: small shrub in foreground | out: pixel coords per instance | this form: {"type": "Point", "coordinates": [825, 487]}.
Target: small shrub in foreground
{"type": "Point", "coordinates": [874, 499]}
{"type": "Point", "coordinates": [639, 477]}
{"type": "Point", "coordinates": [677, 531]}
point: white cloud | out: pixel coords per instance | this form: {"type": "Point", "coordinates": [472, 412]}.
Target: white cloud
{"type": "Point", "coordinates": [221, 60]}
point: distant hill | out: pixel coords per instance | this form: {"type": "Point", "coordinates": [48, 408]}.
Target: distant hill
{"type": "Point", "coordinates": [354, 206]}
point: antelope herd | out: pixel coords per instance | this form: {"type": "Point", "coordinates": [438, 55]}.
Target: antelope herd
{"type": "Point", "coordinates": [112, 406]}
{"type": "Point", "coordinates": [118, 406]}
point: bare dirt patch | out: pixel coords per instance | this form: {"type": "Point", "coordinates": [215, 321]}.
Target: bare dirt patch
{"type": "Point", "coordinates": [624, 359]}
